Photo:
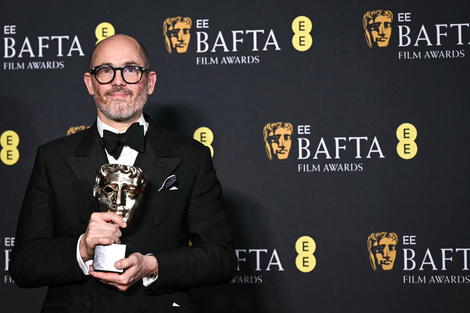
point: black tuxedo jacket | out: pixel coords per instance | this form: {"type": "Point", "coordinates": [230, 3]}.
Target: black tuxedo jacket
{"type": "Point", "coordinates": [58, 204]}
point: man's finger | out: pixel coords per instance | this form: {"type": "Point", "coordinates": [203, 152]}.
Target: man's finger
{"type": "Point", "coordinates": [124, 263]}
{"type": "Point", "coordinates": [112, 217]}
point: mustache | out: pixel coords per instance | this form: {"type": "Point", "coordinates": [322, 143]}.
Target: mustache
{"type": "Point", "coordinates": [119, 89]}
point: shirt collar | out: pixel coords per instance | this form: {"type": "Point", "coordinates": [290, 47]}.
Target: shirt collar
{"type": "Point", "coordinates": [102, 126]}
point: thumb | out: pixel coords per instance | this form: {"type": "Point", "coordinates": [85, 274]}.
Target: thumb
{"type": "Point", "coordinates": [121, 264]}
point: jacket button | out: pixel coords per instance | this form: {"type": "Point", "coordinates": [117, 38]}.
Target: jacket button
{"type": "Point", "coordinates": [89, 306]}
{"type": "Point", "coordinates": [156, 220]}
{"type": "Point", "coordinates": [83, 220]}
{"type": "Point", "coordinates": [142, 308]}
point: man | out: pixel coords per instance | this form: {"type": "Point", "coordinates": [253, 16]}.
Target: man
{"type": "Point", "coordinates": [58, 227]}
{"type": "Point", "coordinates": [176, 31]}
{"type": "Point", "coordinates": [278, 140]}
{"type": "Point", "coordinates": [378, 28]}
{"type": "Point", "coordinates": [382, 250]}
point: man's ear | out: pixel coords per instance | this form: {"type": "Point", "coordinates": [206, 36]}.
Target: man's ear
{"type": "Point", "coordinates": [152, 81]}
{"type": "Point", "coordinates": [89, 84]}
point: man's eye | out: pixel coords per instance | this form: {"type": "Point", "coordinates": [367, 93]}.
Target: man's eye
{"type": "Point", "coordinates": [131, 69]}
{"type": "Point", "coordinates": [104, 70]}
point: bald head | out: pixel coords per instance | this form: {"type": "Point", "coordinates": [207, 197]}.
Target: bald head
{"type": "Point", "coordinates": [116, 42]}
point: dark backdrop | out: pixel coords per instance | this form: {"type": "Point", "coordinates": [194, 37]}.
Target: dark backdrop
{"type": "Point", "coordinates": [345, 102]}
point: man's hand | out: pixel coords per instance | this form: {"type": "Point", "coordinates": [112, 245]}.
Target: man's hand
{"type": "Point", "coordinates": [136, 266]}
{"type": "Point", "coordinates": [103, 229]}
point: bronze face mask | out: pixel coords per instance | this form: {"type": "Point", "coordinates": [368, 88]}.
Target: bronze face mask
{"type": "Point", "coordinates": [119, 189]}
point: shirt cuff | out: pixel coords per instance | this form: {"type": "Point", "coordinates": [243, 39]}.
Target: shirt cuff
{"type": "Point", "coordinates": [148, 280]}
{"type": "Point", "coordinates": [84, 266]}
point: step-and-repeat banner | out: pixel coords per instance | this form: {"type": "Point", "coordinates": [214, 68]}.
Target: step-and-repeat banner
{"type": "Point", "coordinates": [339, 130]}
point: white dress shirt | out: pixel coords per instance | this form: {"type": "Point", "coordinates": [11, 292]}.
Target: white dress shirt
{"type": "Point", "coordinates": [127, 157]}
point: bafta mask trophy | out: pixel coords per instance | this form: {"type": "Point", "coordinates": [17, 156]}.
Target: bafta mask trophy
{"type": "Point", "coordinates": [119, 189]}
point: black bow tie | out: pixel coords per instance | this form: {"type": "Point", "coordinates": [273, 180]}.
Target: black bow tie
{"type": "Point", "coordinates": [133, 137]}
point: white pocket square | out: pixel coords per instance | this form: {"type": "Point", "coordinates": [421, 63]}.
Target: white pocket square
{"type": "Point", "coordinates": [169, 183]}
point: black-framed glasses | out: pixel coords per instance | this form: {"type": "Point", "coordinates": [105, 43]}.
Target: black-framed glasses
{"type": "Point", "coordinates": [131, 74]}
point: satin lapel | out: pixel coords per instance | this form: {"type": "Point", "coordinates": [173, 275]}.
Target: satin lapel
{"type": "Point", "coordinates": [157, 161]}
{"type": "Point", "coordinates": [88, 157]}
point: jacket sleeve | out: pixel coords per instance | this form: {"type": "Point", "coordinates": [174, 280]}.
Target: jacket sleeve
{"type": "Point", "coordinates": [40, 257]}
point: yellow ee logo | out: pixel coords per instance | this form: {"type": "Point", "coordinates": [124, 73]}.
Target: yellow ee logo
{"type": "Point", "coordinates": [305, 247]}
{"type": "Point", "coordinates": [302, 26]}
{"type": "Point", "coordinates": [103, 31]}
{"type": "Point", "coordinates": [205, 136]}
{"type": "Point", "coordinates": [9, 142]}
{"type": "Point", "coordinates": [407, 147]}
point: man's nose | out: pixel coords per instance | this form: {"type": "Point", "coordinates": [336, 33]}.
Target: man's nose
{"type": "Point", "coordinates": [118, 78]}
{"type": "Point", "coordinates": [282, 142]}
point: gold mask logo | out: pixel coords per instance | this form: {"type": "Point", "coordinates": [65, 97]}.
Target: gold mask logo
{"type": "Point", "coordinates": [378, 27]}
{"type": "Point", "coordinates": [176, 31]}
{"type": "Point", "coordinates": [278, 140]}
{"type": "Point", "coordinates": [382, 248]}
{"type": "Point", "coordinates": [76, 129]}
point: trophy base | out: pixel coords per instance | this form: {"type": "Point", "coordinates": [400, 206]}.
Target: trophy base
{"type": "Point", "coordinates": [106, 256]}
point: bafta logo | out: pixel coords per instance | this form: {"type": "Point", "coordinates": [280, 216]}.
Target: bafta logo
{"type": "Point", "coordinates": [176, 31]}
{"type": "Point", "coordinates": [378, 27]}
{"type": "Point", "coordinates": [382, 250]}
{"type": "Point", "coordinates": [278, 140]}
{"type": "Point", "coordinates": [76, 129]}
